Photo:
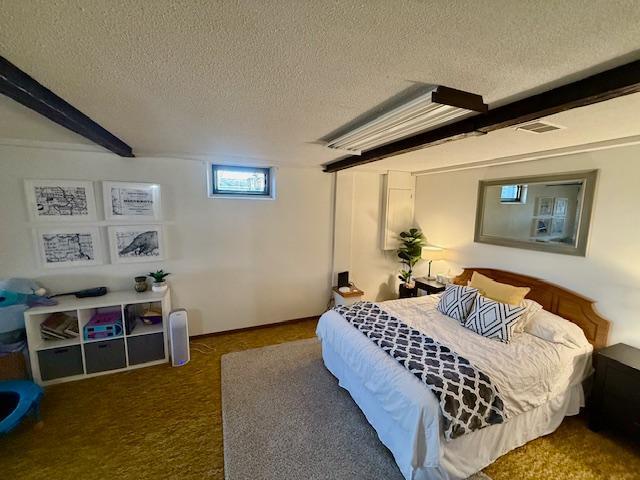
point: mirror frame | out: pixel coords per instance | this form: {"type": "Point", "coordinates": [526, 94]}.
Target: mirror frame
{"type": "Point", "coordinates": [580, 249]}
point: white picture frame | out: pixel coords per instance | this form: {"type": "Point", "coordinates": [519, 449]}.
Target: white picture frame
{"type": "Point", "coordinates": [560, 207]}
{"type": "Point", "coordinates": [558, 226]}
{"type": "Point", "coordinates": [128, 201]}
{"type": "Point", "coordinates": [544, 206]}
{"type": "Point", "coordinates": [60, 200]}
{"type": "Point", "coordinates": [136, 243]}
{"type": "Point", "coordinates": [69, 247]}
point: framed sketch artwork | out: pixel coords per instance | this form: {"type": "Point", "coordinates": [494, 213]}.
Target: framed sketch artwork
{"type": "Point", "coordinates": [69, 247]}
{"type": "Point", "coordinates": [544, 206]}
{"type": "Point", "coordinates": [557, 226]}
{"type": "Point", "coordinates": [60, 200]}
{"type": "Point", "coordinates": [131, 201]}
{"type": "Point", "coordinates": [136, 243]}
{"type": "Point", "coordinates": [560, 207]}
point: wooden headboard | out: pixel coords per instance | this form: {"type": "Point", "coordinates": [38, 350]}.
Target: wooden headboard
{"type": "Point", "coordinates": [565, 303]}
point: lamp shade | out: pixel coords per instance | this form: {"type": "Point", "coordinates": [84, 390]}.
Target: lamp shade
{"type": "Point", "coordinates": [433, 252]}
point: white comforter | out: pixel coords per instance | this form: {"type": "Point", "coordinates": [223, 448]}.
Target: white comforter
{"type": "Point", "coordinates": [527, 372]}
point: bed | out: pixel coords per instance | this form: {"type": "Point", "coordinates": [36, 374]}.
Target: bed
{"type": "Point", "coordinates": [542, 380]}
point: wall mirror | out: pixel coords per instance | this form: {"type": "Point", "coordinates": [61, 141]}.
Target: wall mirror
{"type": "Point", "coordinates": [550, 213]}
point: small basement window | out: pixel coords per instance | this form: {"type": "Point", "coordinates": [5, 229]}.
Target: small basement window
{"type": "Point", "coordinates": [513, 194]}
{"type": "Point", "coordinates": [234, 181]}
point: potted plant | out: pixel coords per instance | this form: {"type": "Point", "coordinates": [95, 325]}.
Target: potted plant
{"type": "Point", "coordinates": [159, 283]}
{"type": "Point", "coordinates": [409, 254]}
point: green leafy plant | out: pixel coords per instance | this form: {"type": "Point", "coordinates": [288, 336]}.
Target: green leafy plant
{"type": "Point", "coordinates": [159, 276]}
{"type": "Point", "coordinates": [410, 253]}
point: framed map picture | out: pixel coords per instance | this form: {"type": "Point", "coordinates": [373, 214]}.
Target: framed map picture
{"type": "Point", "coordinates": [131, 201]}
{"type": "Point", "coordinates": [544, 206]}
{"type": "Point", "coordinates": [560, 207]}
{"type": "Point", "coordinates": [557, 226]}
{"type": "Point", "coordinates": [60, 200]}
{"type": "Point", "coordinates": [69, 247]}
{"type": "Point", "coordinates": [136, 243]}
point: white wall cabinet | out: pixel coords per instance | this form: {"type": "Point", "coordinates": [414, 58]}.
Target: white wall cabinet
{"type": "Point", "coordinates": [398, 203]}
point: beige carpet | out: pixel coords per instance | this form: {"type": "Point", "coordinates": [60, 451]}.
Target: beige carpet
{"type": "Point", "coordinates": [285, 418]}
{"type": "Point", "coordinates": [165, 423]}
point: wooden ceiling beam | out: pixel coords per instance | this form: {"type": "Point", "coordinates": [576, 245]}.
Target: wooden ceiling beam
{"type": "Point", "coordinates": [616, 82]}
{"type": "Point", "coordinates": [18, 85]}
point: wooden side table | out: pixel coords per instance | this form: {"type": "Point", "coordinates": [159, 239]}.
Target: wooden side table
{"type": "Point", "coordinates": [347, 298]}
{"type": "Point", "coordinates": [429, 286]}
{"type": "Point", "coordinates": [615, 399]}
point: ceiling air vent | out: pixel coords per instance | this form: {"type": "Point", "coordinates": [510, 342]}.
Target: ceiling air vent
{"type": "Point", "coordinates": [438, 106]}
{"type": "Point", "coordinates": [539, 127]}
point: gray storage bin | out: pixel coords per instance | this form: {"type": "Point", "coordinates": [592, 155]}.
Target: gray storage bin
{"type": "Point", "coordinates": [105, 355]}
{"type": "Point", "coordinates": [60, 362]}
{"type": "Point", "coordinates": [145, 348]}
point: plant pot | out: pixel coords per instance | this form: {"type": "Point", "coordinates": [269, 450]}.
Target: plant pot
{"type": "Point", "coordinates": [159, 287]}
{"type": "Point", "coordinates": [408, 291]}
{"type": "Point", "coordinates": [141, 284]}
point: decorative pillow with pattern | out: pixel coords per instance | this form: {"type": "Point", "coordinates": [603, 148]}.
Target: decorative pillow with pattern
{"type": "Point", "coordinates": [456, 301]}
{"type": "Point", "coordinates": [493, 319]}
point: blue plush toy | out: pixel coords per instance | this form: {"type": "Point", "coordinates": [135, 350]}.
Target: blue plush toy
{"type": "Point", "coordinates": [16, 295]}
{"type": "Point", "coordinates": [18, 398]}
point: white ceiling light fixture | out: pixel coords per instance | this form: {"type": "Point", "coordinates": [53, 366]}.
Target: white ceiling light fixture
{"type": "Point", "coordinates": [435, 108]}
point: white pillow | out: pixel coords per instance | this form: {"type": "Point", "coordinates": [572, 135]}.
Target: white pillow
{"type": "Point", "coordinates": [493, 319]}
{"type": "Point", "coordinates": [531, 308]}
{"type": "Point", "coordinates": [553, 328]}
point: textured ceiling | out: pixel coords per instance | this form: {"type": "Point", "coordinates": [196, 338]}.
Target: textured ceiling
{"type": "Point", "coordinates": [266, 79]}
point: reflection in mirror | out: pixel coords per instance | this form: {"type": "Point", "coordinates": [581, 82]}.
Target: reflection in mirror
{"type": "Point", "coordinates": [548, 213]}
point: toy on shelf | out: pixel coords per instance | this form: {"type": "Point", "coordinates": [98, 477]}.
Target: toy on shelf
{"type": "Point", "coordinates": [151, 317]}
{"type": "Point", "coordinates": [104, 324]}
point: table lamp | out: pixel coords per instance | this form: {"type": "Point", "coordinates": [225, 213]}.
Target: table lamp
{"type": "Point", "coordinates": [431, 253]}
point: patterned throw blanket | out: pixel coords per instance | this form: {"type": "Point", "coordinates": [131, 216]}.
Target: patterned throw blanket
{"type": "Point", "coordinates": [468, 399]}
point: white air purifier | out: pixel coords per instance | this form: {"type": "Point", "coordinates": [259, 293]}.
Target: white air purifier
{"type": "Point", "coordinates": [179, 337]}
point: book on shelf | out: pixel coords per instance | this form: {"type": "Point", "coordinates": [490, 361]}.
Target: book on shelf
{"type": "Point", "coordinates": [46, 335]}
{"type": "Point", "coordinates": [59, 326]}
{"type": "Point", "coordinates": [72, 330]}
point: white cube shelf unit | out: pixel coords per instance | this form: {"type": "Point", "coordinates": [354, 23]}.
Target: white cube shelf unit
{"type": "Point", "coordinates": [65, 360]}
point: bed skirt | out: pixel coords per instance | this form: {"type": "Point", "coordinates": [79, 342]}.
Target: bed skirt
{"type": "Point", "coordinates": [459, 458]}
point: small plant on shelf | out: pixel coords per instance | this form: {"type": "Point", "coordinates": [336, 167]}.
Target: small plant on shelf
{"type": "Point", "coordinates": [159, 282]}
{"type": "Point", "coordinates": [409, 254]}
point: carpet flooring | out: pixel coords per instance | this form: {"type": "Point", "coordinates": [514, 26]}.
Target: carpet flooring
{"type": "Point", "coordinates": [166, 423]}
{"type": "Point", "coordinates": [285, 417]}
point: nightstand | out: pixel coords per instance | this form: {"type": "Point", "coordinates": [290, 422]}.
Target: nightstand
{"type": "Point", "coordinates": [615, 399]}
{"type": "Point", "coordinates": [429, 286]}
{"type": "Point", "coordinates": [347, 298]}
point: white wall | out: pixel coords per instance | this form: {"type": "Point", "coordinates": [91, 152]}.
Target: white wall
{"type": "Point", "coordinates": [235, 263]}
{"type": "Point", "coordinates": [343, 221]}
{"type": "Point", "coordinates": [359, 203]}
{"type": "Point", "coordinates": [610, 273]}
